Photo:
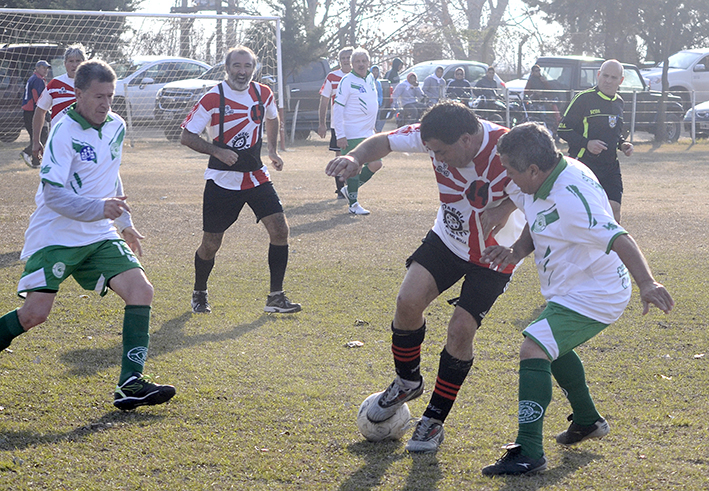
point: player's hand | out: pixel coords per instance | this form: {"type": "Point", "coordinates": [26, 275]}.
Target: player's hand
{"type": "Point", "coordinates": [499, 256]}
{"type": "Point", "coordinates": [343, 167]}
{"type": "Point", "coordinates": [133, 238]}
{"type": "Point", "coordinates": [656, 294]}
{"type": "Point", "coordinates": [493, 219]}
{"type": "Point", "coordinates": [596, 146]}
{"type": "Point", "coordinates": [322, 130]}
{"type": "Point", "coordinates": [276, 160]}
{"type": "Point", "coordinates": [229, 157]}
{"type": "Point", "coordinates": [342, 143]}
{"type": "Point", "coordinates": [37, 150]}
{"type": "Point", "coordinates": [627, 148]}
{"type": "Point", "coordinates": [113, 207]}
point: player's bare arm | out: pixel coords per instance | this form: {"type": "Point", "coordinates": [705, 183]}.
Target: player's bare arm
{"type": "Point", "coordinates": [199, 144]}
{"type": "Point", "coordinates": [494, 218]}
{"type": "Point", "coordinates": [37, 123]}
{"type": "Point", "coordinates": [322, 114]}
{"type": "Point", "coordinates": [501, 256]}
{"type": "Point", "coordinates": [373, 148]}
{"type": "Point", "coordinates": [272, 137]}
{"type": "Point", "coordinates": [651, 292]}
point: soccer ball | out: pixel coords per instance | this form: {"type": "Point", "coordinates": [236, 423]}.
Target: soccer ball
{"type": "Point", "coordinates": [391, 429]}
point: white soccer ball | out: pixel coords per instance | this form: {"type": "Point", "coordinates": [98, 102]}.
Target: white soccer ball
{"type": "Point", "coordinates": [391, 429]}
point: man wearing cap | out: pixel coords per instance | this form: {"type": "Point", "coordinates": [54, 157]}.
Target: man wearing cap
{"type": "Point", "coordinates": [35, 86]}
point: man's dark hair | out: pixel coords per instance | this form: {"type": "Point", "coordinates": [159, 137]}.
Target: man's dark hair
{"type": "Point", "coordinates": [527, 144]}
{"type": "Point", "coordinates": [92, 70]}
{"type": "Point", "coordinates": [447, 121]}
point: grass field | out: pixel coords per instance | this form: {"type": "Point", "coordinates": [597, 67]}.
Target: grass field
{"type": "Point", "coordinates": [269, 402]}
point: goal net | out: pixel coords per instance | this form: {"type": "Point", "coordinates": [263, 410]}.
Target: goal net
{"type": "Point", "coordinates": [164, 63]}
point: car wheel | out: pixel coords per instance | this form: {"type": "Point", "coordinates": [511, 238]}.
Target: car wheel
{"type": "Point", "coordinates": [9, 136]}
{"type": "Point", "coordinates": [673, 126]}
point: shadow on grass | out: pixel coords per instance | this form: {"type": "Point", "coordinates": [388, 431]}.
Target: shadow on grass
{"type": "Point", "coordinates": [20, 440]}
{"type": "Point", "coordinates": [342, 218]}
{"type": "Point", "coordinates": [424, 474]}
{"type": "Point", "coordinates": [571, 462]}
{"type": "Point", "coordinates": [9, 259]}
{"type": "Point", "coordinates": [170, 337]}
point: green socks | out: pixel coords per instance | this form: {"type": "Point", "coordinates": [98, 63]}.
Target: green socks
{"type": "Point", "coordinates": [353, 183]}
{"type": "Point", "coordinates": [10, 328]}
{"type": "Point", "coordinates": [136, 323]}
{"type": "Point", "coordinates": [534, 397]}
{"type": "Point", "coordinates": [571, 377]}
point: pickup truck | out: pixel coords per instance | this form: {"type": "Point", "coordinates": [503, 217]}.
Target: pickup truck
{"type": "Point", "coordinates": [569, 75]}
{"type": "Point", "coordinates": [688, 73]}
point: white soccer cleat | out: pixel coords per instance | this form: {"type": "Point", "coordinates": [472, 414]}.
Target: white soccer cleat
{"type": "Point", "coordinates": [356, 209]}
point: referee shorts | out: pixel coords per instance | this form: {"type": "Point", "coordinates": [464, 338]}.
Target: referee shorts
{"type": "Point", "coordinates": [610, 179]}
{"type": "Point", "coordinates": [333, 141]}
{"type": "Point", "coordinates": [221, 207]}
{"type": "Point", "coordinates": [481, 286]}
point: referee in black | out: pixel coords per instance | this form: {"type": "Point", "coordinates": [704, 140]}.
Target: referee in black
{"type": "Point", "coordinates": [593, 128]}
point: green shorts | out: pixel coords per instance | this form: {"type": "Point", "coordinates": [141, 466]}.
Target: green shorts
{"type": "Point", "coordinates": [351, 144]}
{"type": "Point", "coordinates": [92, 266]}
{"type": "Point", "coordinates": [558, 330]}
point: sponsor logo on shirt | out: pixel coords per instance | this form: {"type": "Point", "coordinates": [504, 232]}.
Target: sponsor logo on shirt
{"type": "Point", "coordinates": [86, 152]}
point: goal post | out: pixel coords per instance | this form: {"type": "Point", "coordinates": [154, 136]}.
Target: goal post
{"type": "Point", "coordinates": [147, 50]}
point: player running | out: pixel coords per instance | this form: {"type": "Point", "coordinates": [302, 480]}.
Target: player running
{"type": "Point", "coordinates": [473, 214]}
{"type": "Point", "coordinates": [80, 203]}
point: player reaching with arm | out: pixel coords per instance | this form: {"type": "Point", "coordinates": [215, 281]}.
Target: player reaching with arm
{"type": "Point", "coordinates": [583, 257]}
{"type": "Point", "coordinates": [234, 113]}
{"type": "Point", "coordinates": [72, 232]}
{"type": "Point", "coordinates": [473, 211]}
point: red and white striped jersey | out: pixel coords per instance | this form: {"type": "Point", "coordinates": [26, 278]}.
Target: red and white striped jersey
{"type": "Point", "coordinates": [58, 96]}
{"type": "Point", "coordinates": [465, 193]}
{"type": "Point", "coordinates": [329, 86]}
{"type": "Point", "coordinates": [243, 118]}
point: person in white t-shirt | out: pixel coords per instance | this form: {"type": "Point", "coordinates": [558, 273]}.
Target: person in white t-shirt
{"type": "Point", "coordinates": [80, 203]}
{"type": "Point", "coordinates": [583, 257]}
{"type": "Point", "coordinates": [234, 114]}
{"type": "Point", "coordinates": [474, 212]}
{"type": "Point", "coordinates": [354, 116]}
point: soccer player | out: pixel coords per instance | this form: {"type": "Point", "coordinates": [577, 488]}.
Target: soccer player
{"type": "Point", "coordinates": [58, 97]}
{"type": "Point", "coordinates": [33, 89]}
{"type": "Point", "coordinates": [328, 91]}
{"type": "Point", "coordinates": [80, 203]}
{"type": "Point", "coordinates": [234, 113]}
{"type": "Point", "coordinates": [474, 212]}
{"type": "Point", "coordinates": [354, 115]}
{"type": "Point", "coordinates": [583, 257]}
{"type": "Point", "coordinates": [593, 127]}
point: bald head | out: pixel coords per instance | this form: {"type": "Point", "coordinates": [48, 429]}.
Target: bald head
{"type": "Point", "coordinates": [610, 76]}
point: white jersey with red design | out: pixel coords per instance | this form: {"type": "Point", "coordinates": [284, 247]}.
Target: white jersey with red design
{"type": "Point", "coordinates": [465, 193]}
{"type": "Point", "coordinates": [243, 119]}
{"type": "Point", "coordinates": [58, 96]}
{"type": "Point", "coordinates": [329, 86]}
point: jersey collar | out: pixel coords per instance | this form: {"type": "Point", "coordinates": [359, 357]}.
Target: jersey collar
{"type": "Point", "coordinates": [545, 188]}
{"type": "Point", "coordinates": [85, 125]}
{"type": "Point", "coordinates": [604, 96]}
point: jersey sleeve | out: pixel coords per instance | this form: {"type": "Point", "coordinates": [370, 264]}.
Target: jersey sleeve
{"type": "Point", "coordinates": [270, 105]}
{"type": "Point", "coordinates": [407, 139]}
{"type": "Point", "coordinates": [58, 156]}
{"type": "Point", "coordinates": [326, 89]}
{"type": "Point", "coordinates": [45, 101]}
{"type": "Point", "coordinates": [570, 126]}
{"type": "Point", "coordinates": [201, 115]}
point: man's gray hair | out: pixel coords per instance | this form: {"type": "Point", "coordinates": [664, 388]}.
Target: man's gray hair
{"type": "Point", "coordinates": [344, 50]}
{"type": "Point", "coordinates": [241, 50]}
{"type": "Point", "coordinates": [75, 50]}
{"type": "Point", "coordinates": [359, 51]}
{"type": "Point", "coordinates": [92, 70]}
{"type": "Point", "coordinates": [527, 144]}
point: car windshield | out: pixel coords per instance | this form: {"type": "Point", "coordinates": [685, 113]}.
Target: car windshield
{"type": "Point", "coordinates": [682, 60]}
{"type": "Point", "coordinates": [123, 70]}
{"type": "Point", "coordinates": [214, 73]}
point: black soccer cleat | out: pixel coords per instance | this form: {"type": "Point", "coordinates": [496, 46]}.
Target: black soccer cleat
{"type": "Point", "coordinates": [579, 433]}
{"type": "Point", "coordinates": [514, 463]}
{"type": "Point", "coordinates": [139, 391]}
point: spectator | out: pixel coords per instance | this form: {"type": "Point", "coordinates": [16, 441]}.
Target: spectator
{"type": "Point", "coordinates": [434, 87]}
{"type": "Point", "coordinates": [486, 85]}
{"type": "Point", "coordinates": [393, 75]}
{"type": "Point", "coordinates": [459, 88]}
{"type": "Point", "coordinates": [381, 111]}
{"type": "Point", "coordinates": [408, 97]}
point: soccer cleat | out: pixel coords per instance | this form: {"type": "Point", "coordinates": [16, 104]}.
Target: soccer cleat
{"type": "Point", "coordinates": [27, 158]}
{"type": "Point", "coordinates": [200, 305]}
{"type": "Point", "coordinates": [279, 303]}
{"type": "Point", "coordinates": [356, 209]}
{"type": "Point", "coordinates": [578, 433]}
{"type": "Point", "coordinates": [343, 193]}
{"type": "Point", "coordinates": [139, 391]}
{"type": "Point", "coordinates": [389, 401]}
{"type": "Point", "coordinates": [513, 463]}
{"type": "Point", "coordinates": [427, 436]}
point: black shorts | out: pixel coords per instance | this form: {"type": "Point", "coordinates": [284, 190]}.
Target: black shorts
{"type": "Point", "coordinates": [481, 286]}
{"type": "Point", "coordinates": [610, 179]}
{"type": "Point", "coordinates": [221, 207]}
{"type": "Point", "coordinates": [333, 141]}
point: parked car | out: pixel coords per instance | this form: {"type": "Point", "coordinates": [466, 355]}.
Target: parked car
{"type": "Point", "coordinates": [302, 97]}
{"type": "Point", "coordinates": [515, 88]}
{"type": "Point", "coordinates": [701, 120]}
{"type": "Point", "coordinates": [688, 71]}
{"type": "Point", "coordinates": [176, 99]}
{"type": "Point", "coordinates": [140, 79]}
{"type": "Point", "coordinates": [568, 75]}
{"type": "Point", "coordinates": [17, 62]}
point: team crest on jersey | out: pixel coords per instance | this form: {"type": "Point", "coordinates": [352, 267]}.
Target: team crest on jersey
{"type": "Point", "coordinates": [86, 152]}
{"type": "Point", "coordinates": [612, 121]}
{"type": "Point", "coordinates": [543, 220]}
{"type": "Point", "coordinates": [479, 194]}
{"type": "Point", "coordinates": [228, 111]}
{"type": "Point", "coordinates": [257, 113]}
{"type": "Point", "coordinates": [239, 141]}
{"type": "Point", "coordinates": [442, 169]}
{"type": "Point", "coordinates": [454, 222]}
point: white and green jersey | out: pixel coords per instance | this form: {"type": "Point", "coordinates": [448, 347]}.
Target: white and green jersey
{"type": "Point", "coordinates": [573, 229]}
{"type": "Point", "coordinates": [356, 105]}
{"type": "Point", "coordinates": [85, 160]}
